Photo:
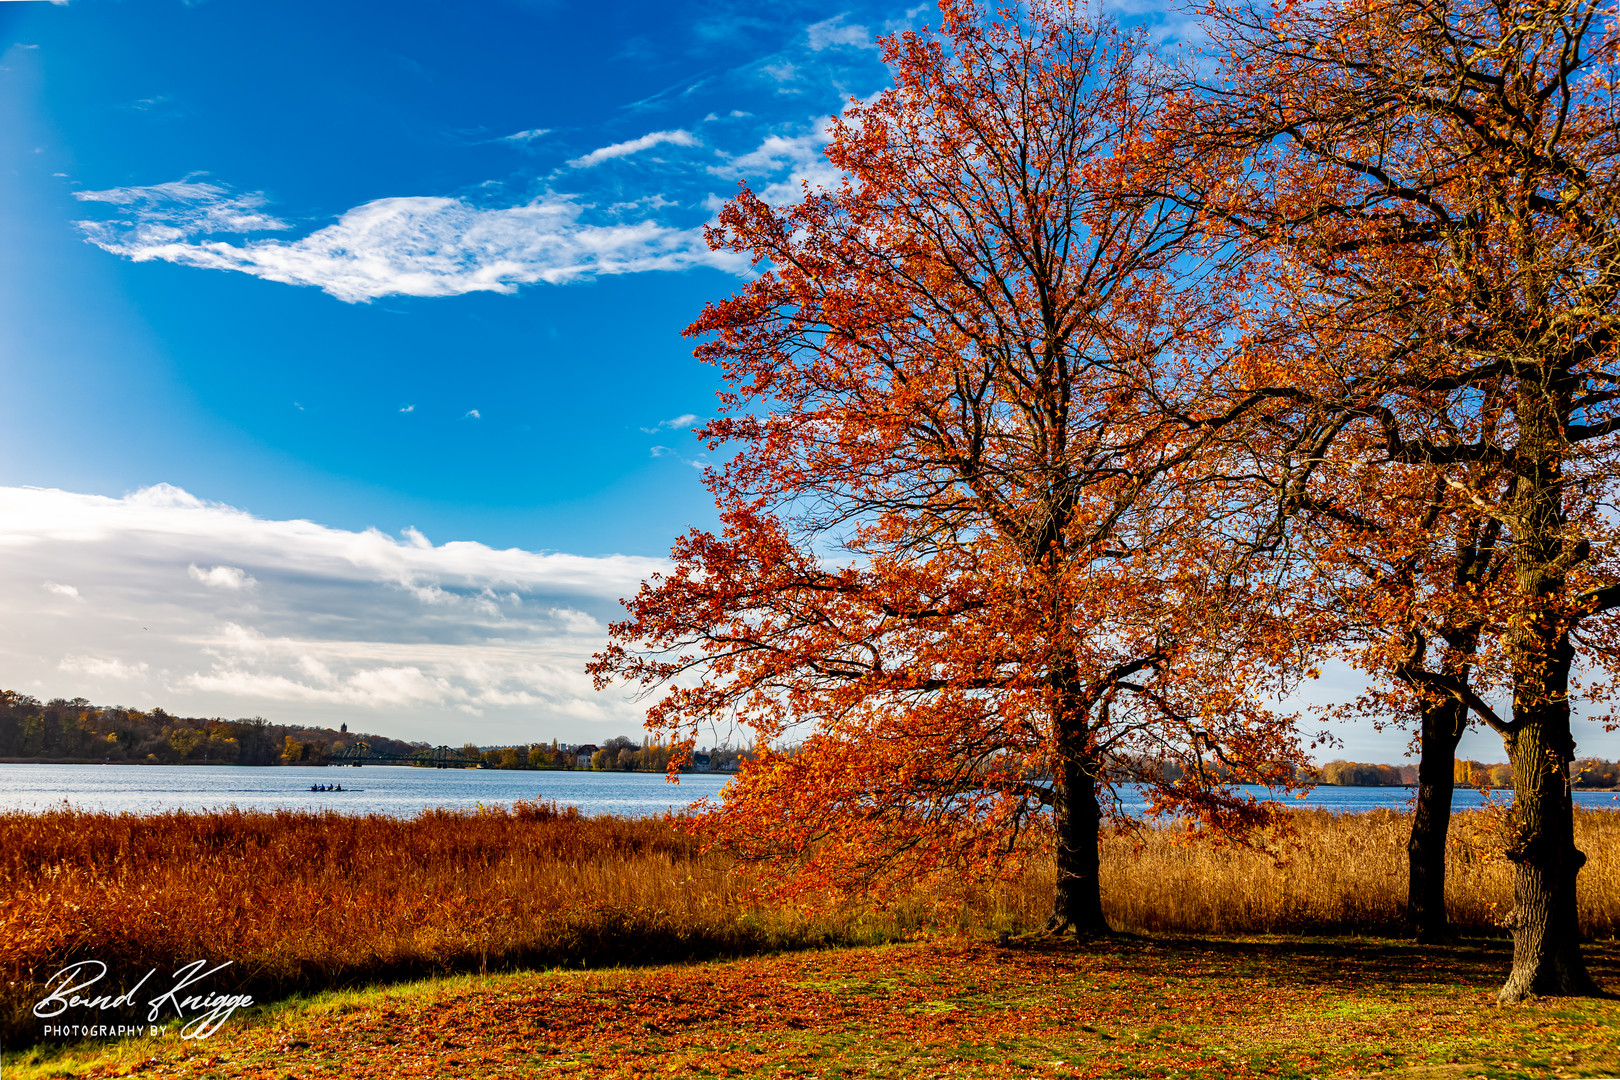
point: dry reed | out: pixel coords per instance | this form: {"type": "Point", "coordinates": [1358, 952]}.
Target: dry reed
{"type": "Point", "coordinates": [1344, 873]}
{"type": "Point", "coordinates": [305, 901]}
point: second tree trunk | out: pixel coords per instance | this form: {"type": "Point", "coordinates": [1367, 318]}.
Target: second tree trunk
{"type": "Point", "coordinates": [1443, 726]}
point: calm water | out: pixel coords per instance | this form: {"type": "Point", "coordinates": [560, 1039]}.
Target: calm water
{"type": "Point", "coordinates": [400, 790]}
{"type": "Point", "coordinates": [373, 789]}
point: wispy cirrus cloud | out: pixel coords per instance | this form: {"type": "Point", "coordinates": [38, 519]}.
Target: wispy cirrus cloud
{"type": "Point", "coordinates": [833, 32]}
{"type": "Point", "coordinates": [679, 137]}
{"type": "Point", "coordinates": [524, 137]}
{"type": "Point", "coordinates": [685, 420]}
{"type": "Point", "coordinates": [206, 609]}
{"type": "Point", "coordinates": [165, 213]}
{"type": "Point", "coordinates": [452, 245]}
{"type": "Point", "coordinates": [700, 462]}
{"type": "Point", "coordinates": [795, 159]}
{"type": "Point", "coordinates": [406, 246]}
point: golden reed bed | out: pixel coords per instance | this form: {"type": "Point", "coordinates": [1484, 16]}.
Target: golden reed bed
{"type": "Point", "coordinates": [306, 901]}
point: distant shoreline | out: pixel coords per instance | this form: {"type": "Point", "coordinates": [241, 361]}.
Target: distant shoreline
{"type": "Point", "coordinates": [315, 765]}
{"type": "Point", "coordinates": [340, 765]}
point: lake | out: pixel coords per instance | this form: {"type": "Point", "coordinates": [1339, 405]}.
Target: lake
{"type": "Point", "coordinates": [401, 790]}
{"type": "Point", "coordinates": [375, 789]}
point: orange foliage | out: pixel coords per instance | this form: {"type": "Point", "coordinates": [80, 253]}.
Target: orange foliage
{"type": "Point", "coordinates": [1428, 198]}
{"type": "Point", "coordinates": [966, 557]}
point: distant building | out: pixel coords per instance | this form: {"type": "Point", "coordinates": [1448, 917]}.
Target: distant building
{"type": "Point", "coordinates": [700, 762]}
{"type": "Point", "coordinates": [582, 754]}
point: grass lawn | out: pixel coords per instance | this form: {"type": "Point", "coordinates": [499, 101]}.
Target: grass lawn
{"type": "Point", "coordinates": [1137, 1007]}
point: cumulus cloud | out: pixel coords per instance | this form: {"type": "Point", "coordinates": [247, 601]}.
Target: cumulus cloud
{"type": "Point", "coordinates": [405, 246]}
{"type": "Point", "coordinates": [679, 137]}
{"type": "Point", "coordinates": [222, 577]}
{"type": "Point", "coordinates": [303, 622]}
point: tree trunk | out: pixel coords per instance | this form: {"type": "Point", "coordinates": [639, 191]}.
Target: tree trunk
{"type": "Point", "coordinates": [1078, 820]}
{"type": "Point", "coordinates": [1443, 726]}
{"type": "Point", "coordinates": [1546, 936]}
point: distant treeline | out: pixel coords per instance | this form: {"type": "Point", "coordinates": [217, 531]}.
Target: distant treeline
{"type": "Point", "coordinates": [618, 754]}
{"type": "Point", "coordinates": [63, 729]}
{"type": "Point", "coordinates": [75, 730]}
{"type": "Point", "coordinates": [1586, 772]}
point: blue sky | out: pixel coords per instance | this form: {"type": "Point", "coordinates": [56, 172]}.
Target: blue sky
{"type": "Point", "coordinates": [344, 339]}
{"type": "Point", "coordinates": [575, 146]}
{"type": "Point", "coordinates": [341, 342]}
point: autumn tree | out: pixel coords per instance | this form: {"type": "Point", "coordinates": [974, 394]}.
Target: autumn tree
{"type": "Point", "coordinates": [1418, 620]}
{"type": "Point", "coordinates": [1403, 570]}
{"type": "Point", "coordinates": [1430, 199]}
{"type": "Point", "coordinates": [966, 563]}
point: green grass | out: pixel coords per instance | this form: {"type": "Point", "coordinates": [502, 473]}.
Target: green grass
{"type": "Point", "coordinates": [1161, 1007]}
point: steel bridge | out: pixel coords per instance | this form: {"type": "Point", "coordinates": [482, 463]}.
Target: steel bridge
{"type": "Point", "coordinates": [440, 757]}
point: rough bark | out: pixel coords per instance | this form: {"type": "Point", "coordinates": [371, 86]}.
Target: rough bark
{"type": "Point", "coordinates": [1078, 901]}
{"type": "Point", "coordinates": [1546, 936]}
{"type": "Point", "coordinates": [1540, 746]}
{"type": "Point", "coordinates": [1443, 724]}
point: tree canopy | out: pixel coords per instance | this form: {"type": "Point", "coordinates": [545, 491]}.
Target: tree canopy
{"type": "Point", "coordinates": [965, 556]}
{"type": "Point", "coordinates": [1101, 399]}
{"type": "Point", "coordinates": [1427, 190]}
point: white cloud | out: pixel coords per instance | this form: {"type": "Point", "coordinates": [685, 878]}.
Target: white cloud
{"type": "Point", "coordinates": [102, 667]}
{"type": "Point", "coordinates": [700, 462]}
{"type": "Point", "coordinates": [781, 71]}
{"type": "Point", "coordinates": [149, 104]}
{"type": "Point", "coordinates": [63, 590]}
{"type": "Point", "coordinates": [302, 622]}
{"type": "Point", "coordinates": [231, 578]}
{"type": "Point", "coordinates": [166, 213]}
{"type": "Point", "coordinates": [372, 687]}
{"type": "Point", "coordinates": [685, 420]}
{"type": "Point", "coordinates": [524, 137]}
{"type": "Point", "coordinates": [407, 246]}
{"type": "Point", "coordinates": [679, 137]}
{"type": "Point", "coordinates": [800, 156]}
{"type": "Point", "coordinates": [472, 414]}
{"type": "Point", "coordinates": [832, 32]}
{"type": "Point", "coordinates": [407, 408]}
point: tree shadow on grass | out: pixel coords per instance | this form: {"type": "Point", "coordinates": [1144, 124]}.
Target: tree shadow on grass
{"type": "Point", "coordinates": [1385, 964]}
